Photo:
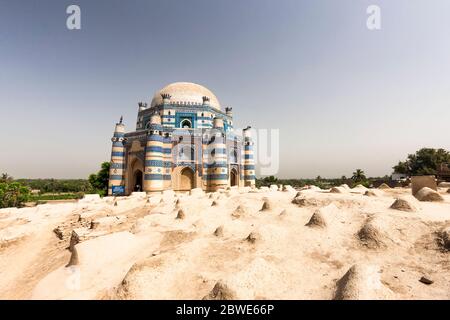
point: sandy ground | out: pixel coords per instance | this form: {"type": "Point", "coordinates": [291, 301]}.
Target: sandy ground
{"type": "Point", "coordinates": [237, 243]}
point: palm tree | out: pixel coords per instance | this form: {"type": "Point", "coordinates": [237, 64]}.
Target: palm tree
{"type": "Point", "coordinates": [5, 177]}
{"type": "Point", "coordinates": [359, 175]}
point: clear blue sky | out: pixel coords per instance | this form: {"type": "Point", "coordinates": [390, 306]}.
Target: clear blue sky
{"type": "Point", "coordinates": [342, 96]}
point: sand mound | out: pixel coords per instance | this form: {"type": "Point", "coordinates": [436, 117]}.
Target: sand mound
{"type": "Point", "coordinates": [370, 193]}
{"type": "Point", "coordinates": [362, 282]}
{"type": "Point", "coordinates": [267, 205]}
{"type": "Point", "coordinates": [298, 194]}
{"type": "Point", "coordinates": [273, 187]}
{"type": "Point", "coordinates": [214, 203]}
{"type": "Point", "coordinates": [239, 212]}
{"type": "Point", "coordinates": [427, 194]}
{"type": "Point", "coordinates": [359, 188]}
{"type": "Point", "coordinates": [372, 234]}
{"type": "Point", "coordinates": [184, 259]}
{"type": "Point", "coordinates": [310, 187]}
{"type": "Point", "coordinates": [323, 216]}
{"type": "Point", "coordinates": [288, 188]}
{"type": "Point", "coordinates": [444, 185]}
{"type": "Point", "coordinates": [384, 186]}
{"type": "Point", "coordinates": [338, 190]}
{"type": "Point", "coordinates": [317, 220]}
{"type": "Point", "coordinates": [220, 292]}
{"type": "Point", "coordinates": [305, 202]}
{"type": "Point", "coordinates": [448, 191]}
{"type": "Point", "coordinates": [402, 205]}
{"type": "Point", "coordinates": [345, 186]}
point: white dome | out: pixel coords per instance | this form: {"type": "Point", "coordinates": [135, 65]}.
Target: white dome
{"type": "Point", "coordinates": [186, 92]}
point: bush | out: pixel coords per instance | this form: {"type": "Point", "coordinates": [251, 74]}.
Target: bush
{"type": "Point", "coordinates": [99, 181]}
{"type": "Point", "coordinates": [57, 185]}
{"type": "Point", "coordinates": [13, 194]}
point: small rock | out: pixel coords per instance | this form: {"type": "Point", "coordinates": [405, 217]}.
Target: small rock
{"type": "Point", "coordinates": [181, 214]}
{"type": "Point", "coordinates": [426, 280]}
{"type": "Point", "coordinates": [444, 238]}
{"type": "Point", "coordinates": [220, 292]}
{"type": "Point", "coordinates": [253, 237]}
{"type": "Point", "coordinates": [94, 224]}
{"type": "Point", "coordinates": [59, 232]}
{"type": "Point", "coordinates": [219, 231]}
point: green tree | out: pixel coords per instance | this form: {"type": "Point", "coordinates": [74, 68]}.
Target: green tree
{"type": "Point", "coordinates": [359, 176]}
{"type": "Point", "coordinates": [99, 180]}
{"type": "Point", "coordinates": [13, 194]}
{"type": "Point", "coordinates": [425, 161]}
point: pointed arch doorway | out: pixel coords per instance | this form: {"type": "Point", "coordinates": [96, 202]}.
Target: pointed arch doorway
{"type": "Point", "coordinates": [183, 178]}
{"type": "Point", "coordinates": [187, 179]}
{"type": "Point", "coordinates": [137, 180]}
{"type": "Point", "coordinates": [233, 178]}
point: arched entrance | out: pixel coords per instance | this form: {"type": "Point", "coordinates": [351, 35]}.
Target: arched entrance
{"type": "Point", "coordinates": [186, 123]}
{"type": "Point", "coordinates": [137, 181]}
{"type": "Point", "coordinates": [233, 178]}
{"type": "Point", "coordinates": [187, 179]}
{"type": "Point", "coordinates": [135, 175]}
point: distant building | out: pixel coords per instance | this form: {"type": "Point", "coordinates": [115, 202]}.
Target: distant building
{"type": "Point", "coordinates": [399, 176]}
{"type": "Point", "coordinates": [183, 140]}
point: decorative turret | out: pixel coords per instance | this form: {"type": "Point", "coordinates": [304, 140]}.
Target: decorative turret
{"type": "Point", "coordinates": [249, 162]}
{"type": "Point", "coordinates": [205, 100]}
{"type": "Point", "coordinates": [142, 106]}
{"type": "Point", "coordinates": [153, 176]}
{"type": "Point", "coordinates": [116, 176]}
{"type": "Point", "coordinates": [167, 160]}
{"type": "Point", "coordinates": [215, 157]}
{"type": "Point", "coordinates": [229, 111]}
{"type": "Point", "coordinates": [166, 98]}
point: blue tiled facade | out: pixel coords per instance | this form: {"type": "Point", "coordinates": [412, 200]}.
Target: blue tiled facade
{"type": "Point", "coordinates": [178, 142]}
